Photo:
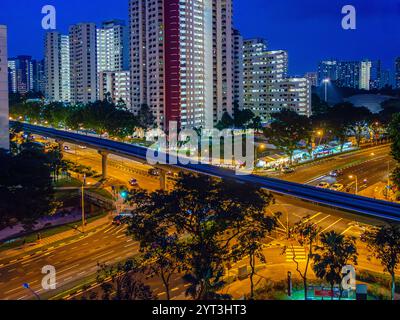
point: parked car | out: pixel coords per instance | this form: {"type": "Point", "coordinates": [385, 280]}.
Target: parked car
{"type": "Point", "coordinates": [337, 187]}
{"type": "Point", "coordinates": [323, 185]}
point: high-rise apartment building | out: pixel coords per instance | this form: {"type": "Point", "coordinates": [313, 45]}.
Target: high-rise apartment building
{"type": "Point", "coordinates": [291, 93]}
{"type": "Point", "coordinates": [349, 74]}
{"type": "Point", "coordinates": [397, 73]}
{"type": "Point", "coordinates": [4, 112]}
{"type": "Point", "coordinates": [57, 67]}
{"type": "Point", "coordinates": [21, 74]}
{"type": "Point", "coordinates": [113, 62]}
{"type": "Point", "coordinates": [375, 81]}
{"type": "Point", "coordinates": [312, 77]}
{"type": "Point", "coordinates": [238, 68]}
{"type": "Point", "coordinates": [83, 66]}
{"type": "Point", "coordinates": [115, 85]}
{"type": "Point", "coordinates": [182, 62]}
{"type": "Point", "coordinates": [327, 69]}
{"type": "Point", "coordinates": [365, 74]}
{"type": "Point", "coordinates": [39, 82]}
{"type": "Point", "coordinates": [262, 69]}
{"type": "Point", "coordinates": [222, 57]}
{"type": "Point", "coordinates": [12, 76]}
{"type": "Point", "coordinates": [113, 46]}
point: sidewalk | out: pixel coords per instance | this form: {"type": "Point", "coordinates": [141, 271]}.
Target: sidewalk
{"type": "Point", "coordinates": [92, 226]}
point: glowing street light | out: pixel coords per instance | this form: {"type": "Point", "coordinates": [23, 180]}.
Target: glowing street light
{"type": "Point", "coordinates": [326, 82]}
{"type": "Point", "coordinates": [356, 178]}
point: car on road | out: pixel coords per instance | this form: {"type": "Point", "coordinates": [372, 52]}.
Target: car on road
{"type": "Point", "coordinates": [154, 172]}
{"type": "Point", "coordinates": [323, 185]}
{"type": "Point", "coordinates": [67, 148]}
{"type": "Point", "coordinates": [133, 182]}
{"type": "Point", "coordinates": [82, 147]}
{"type": "Point", "coordinates": [287, 170]}
{"type": "Point", "coordinates": [121, 219]}
{"type": "Point", "coordinates": [336, 173]}
{"type": "Point", "coordinates": [337, 187]}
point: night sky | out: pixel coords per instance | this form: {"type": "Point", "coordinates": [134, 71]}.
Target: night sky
{"type": "Point", "coordinates": [309, 29]}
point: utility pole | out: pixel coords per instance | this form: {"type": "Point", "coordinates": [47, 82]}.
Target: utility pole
{"type": "Point", "coordinates": [83, 203]}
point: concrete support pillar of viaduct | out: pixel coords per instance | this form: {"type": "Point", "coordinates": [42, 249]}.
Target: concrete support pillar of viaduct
{"type": "Point", "coordinates": [163, 180]}
{"type": "Point", "coordinates": [104, 158]}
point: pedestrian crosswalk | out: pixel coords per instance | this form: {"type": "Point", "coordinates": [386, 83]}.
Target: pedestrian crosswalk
{"type": "Point", "coordinates": [295, 251]}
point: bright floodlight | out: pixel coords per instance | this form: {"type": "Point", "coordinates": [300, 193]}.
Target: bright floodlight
{"type": "Point", "coordinates": [326, 80]}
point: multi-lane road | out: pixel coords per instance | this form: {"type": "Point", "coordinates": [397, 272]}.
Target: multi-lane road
{"type": "Point", "coordinates": [370, 166]}
{"type": "Point", "coordinates": [76, 259]}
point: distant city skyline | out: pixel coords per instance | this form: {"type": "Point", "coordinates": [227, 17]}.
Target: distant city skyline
{"type": "Point", "coordinates": [309, 30]}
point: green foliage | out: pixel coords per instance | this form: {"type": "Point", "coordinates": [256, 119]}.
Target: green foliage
{"type": "Point", "coordinates": [394, 133]}
{"type": "Point", "coordinates": [306, 234]}
{"type": "Point", "coordinates": [318, 106]}
{"type": "Point", "coordinates": [226, 122]}
{"type": "Point", "coordinates": [334, 252]}
{"type": "Point", "coordinates": [124, 284]}
{"type": "Point", "coordinates": [389, 109]}
{"type": "Point", "coordinates": [287, 130]}
{"type": "Point", "coordinates": [100, 116]}
{"type": "Point", "coordinates": [193, 228]}
{"type": "Point", "coordinates": [146, 119]}
{"type": "Point", "coordinates": [384, 244]}
{"type": "Point", "coordinates": [26, 191]}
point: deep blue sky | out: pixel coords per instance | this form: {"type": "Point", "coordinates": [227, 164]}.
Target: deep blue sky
{"type": "Point", "coordinates": [309, 29]}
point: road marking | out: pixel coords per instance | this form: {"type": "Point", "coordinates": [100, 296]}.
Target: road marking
{"type": "Point", "coordinates": [13, 290]}
{"type": "Point", "coordinates": [107, 230]}
{"type": "Point", "coordinates": [348, 229]}
{"type": "Point", "coordinates": [175, 289]}
{"type": "Point", "coordinates": [102, 255]}
{"type": "Point", "coordinates": [66, 269]}
{"type": "Point", "coordinates": [315, 179]}
{"type": "Point", "coordinates": [161, 294]}
{"type": "Point", "coordinates": [331, 225]}
{"type": "Point", "coordinates": [129, 245]}
{"type": "Point", "coordinates": [312, 217]}
{"type": "Point", "coordinates": [319, 221]}
{"type": "Point", "coordinates": [11, 270]}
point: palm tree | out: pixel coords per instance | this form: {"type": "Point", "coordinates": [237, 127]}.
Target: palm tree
{"type": "Point", "coordinates": [335, 251]}
{"type": "Point", "coordinates": [306, 234]}
{"type": "Point", "coordinates": [384, 244]}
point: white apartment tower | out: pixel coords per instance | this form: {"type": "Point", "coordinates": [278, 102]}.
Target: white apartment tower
{"type": "Point", "coordinates": [4, 112]}
{"type": "Point", "coordinates": [238, 68]}
{"type": "Point", "coordinates": [57, 67]}
{"type": "Point", "coordinates": [112, 46]}
{"type": "Point", "coordinates": [181, 59]}
{"type": "Point", "coordinates": [83, 67]}
{"type": "Point", "coordinates": [262, 69]}
{"type": "Point", "coordinates": [113, 62]}
{"type": "Point", "coordinates": [365, 74]}
{"type": "Point", "coordinates": [115, 85]}
{"type": "Point", "coordinates": [290, 93]}
{"type": "Point", "coordinates": [223, 58]}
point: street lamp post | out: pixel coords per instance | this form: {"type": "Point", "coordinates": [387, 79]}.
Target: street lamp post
{"type": "Point", "coordinates": [326, 82]}
{"type": "Point", "coordinates": [27, 286]}
{"type": "Point", "coordinates": [83, 202]}
{"type": "Point", "coordinates": [356, 178]}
